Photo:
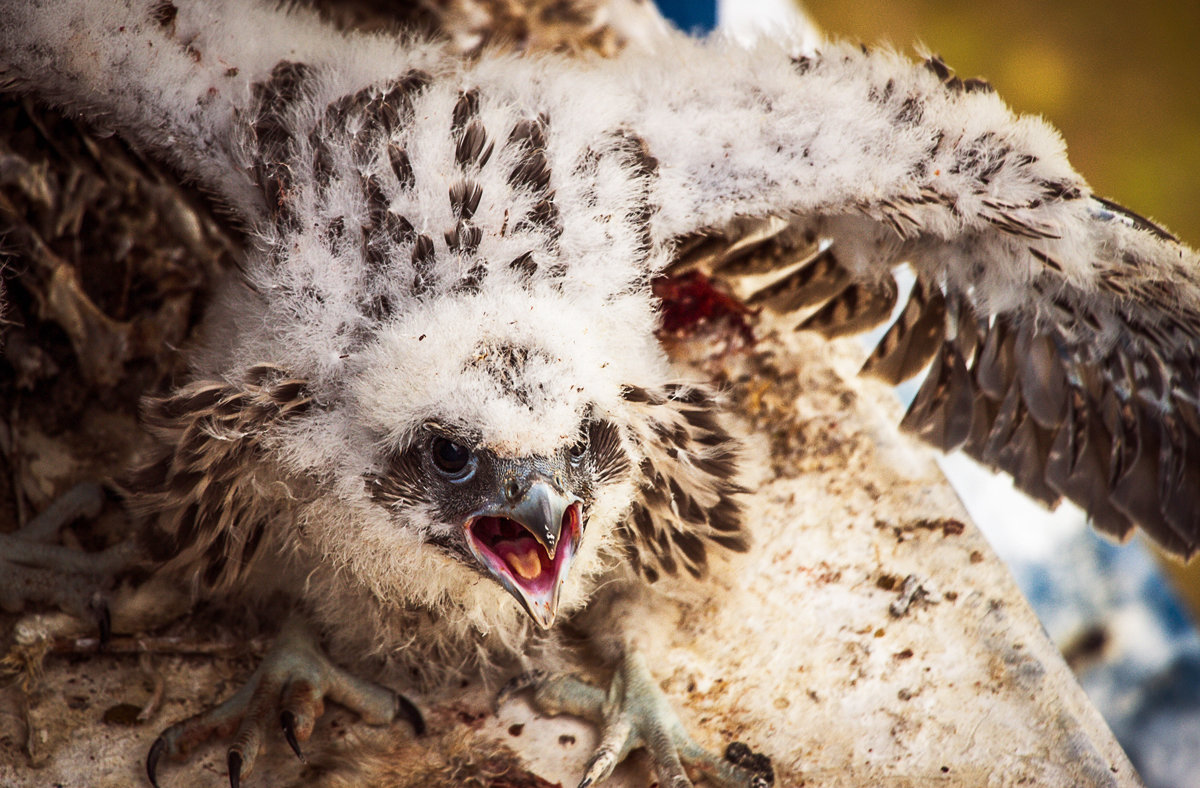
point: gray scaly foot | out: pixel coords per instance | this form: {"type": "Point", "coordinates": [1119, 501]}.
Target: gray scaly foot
{"type": "Point", "coordinates": [37, 570]}
{"type": "Point", "coordinates": [635, 713]}
{"type": "Point", "coordinates": [288, 689]}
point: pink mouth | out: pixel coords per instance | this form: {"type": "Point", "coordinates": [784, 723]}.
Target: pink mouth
{"type": "Point", "coordinates": [523, 565]}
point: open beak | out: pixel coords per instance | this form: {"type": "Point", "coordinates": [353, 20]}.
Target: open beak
{"type": "Point", "coordinates": [528, 544]}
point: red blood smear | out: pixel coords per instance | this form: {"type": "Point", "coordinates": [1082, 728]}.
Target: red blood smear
{"type": "Point", "coordinates": [691, 304]}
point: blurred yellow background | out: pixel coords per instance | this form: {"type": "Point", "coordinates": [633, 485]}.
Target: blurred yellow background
{"type": "Point", "coordinates": [1120, 80]}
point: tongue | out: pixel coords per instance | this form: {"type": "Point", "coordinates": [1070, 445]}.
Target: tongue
{"type": "Point", "coordinates": [525, 563]}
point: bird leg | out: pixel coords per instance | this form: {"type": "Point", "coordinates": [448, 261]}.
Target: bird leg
{"type": "Point", "coordinates": [634, 713]}
{"type": "Point", "coordinates": [36, 570]}
{"type": "Point", "coordinates": [289, 689]}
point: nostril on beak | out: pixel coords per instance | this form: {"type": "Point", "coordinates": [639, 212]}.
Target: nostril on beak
{"type": "Point", "coordinates": [512, 490]}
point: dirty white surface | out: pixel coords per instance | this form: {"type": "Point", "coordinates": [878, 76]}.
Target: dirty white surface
{"type": "Point", "coordinates": [802, 650]}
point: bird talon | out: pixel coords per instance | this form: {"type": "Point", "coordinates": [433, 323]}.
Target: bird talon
{"type": "Point", "coordinates": [99, 608]}
{"type": "Point", "coordinates": [295, 678]}
{"type": "Point", "coordinates": [287, 721]}
{"type": "Point", "coordinates": [634, 713]}
{"type": "Point", "coordinates": [152, 758]}
{"type": "Point", "coordinates": [407, 710]}
{"type": "Point", "coordinates": [234, 761]}
{"type": "Point", "coordinates": [598, 767]}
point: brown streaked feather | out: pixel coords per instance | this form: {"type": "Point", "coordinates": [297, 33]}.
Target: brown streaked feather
{"type": "Point", "coordinates": [1134, 472]}
{"type": "Point", "coordinates": [211, 520]}
{"type": "Point", "coordinates": [859, 308]}
{"type": "Point", "coordinates": [1024, 458]}
{"type": "Point", "coordinates": [1077, 466]}
{"type": "Point", "coordinates": [967, 328]}
{"type": "Point", "coordinates": [1179, 476]}
{"type": "Point", "coordinates": [690, 495]}
{"type": "Point", "coordinates": [756, 249]}
{"type": "Point", "coordinates": [750, 246]}
{"type": "Point", "coordinates": [985, 410]}
{"type": "Point", "coordinates": [995, 365]}
{"type": "Point", "coordinates": [1043, 383]}
{"type": "Point", "coordinates": [944, 409]}
{"type": "Point", "coordinates": [1002, 427]}
{"type": "Point", "coordinates": [699, 252]}
{"type": "Point", "coordinates": [912, 340]}
{"type": "Point", "coordinates": [272, 138]}
{"type": "Point", "coordinates": [817, 278]}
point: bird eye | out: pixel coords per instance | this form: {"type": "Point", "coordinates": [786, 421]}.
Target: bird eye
{"type": "Point", "coordinates": [449, 457]}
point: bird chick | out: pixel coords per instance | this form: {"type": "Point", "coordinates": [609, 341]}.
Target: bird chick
{"type": "Point", "coordinates": [432, 410]}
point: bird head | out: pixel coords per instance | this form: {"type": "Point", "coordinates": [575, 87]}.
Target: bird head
{"type": "Point", "coordinates": [506, 445]}
{"type": "Point", "coordinates": [518, 519]}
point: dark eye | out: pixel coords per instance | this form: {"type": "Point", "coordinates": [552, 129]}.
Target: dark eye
{"type": "Point", "coordinates": [449, 457]}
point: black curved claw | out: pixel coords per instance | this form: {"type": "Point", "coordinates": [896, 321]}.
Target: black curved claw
{"type": "Point", "coordinates": [287, 721]}
{"type": "Point", "coordinates": [406, 709]}
{"type": "Point", "coordinates": [104, 619]}
{"type": "Point", "coordinates": [156, 750]}
{"type": "Point", "coordinates": [234, 762]}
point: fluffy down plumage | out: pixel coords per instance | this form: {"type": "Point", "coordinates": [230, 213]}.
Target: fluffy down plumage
{"type": "Point", "coordinates": [471, 242]}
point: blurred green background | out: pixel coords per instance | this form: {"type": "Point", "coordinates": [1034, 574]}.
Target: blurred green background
{"type": "Point", "coordinates": [1118, 79]}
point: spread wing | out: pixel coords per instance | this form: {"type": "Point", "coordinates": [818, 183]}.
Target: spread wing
{"type": "Point", "coordinates": [201, 85]}
{"type": "Point", "coordinates": [1062, 330]}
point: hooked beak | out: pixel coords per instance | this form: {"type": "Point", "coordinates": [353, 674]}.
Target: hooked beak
{"type": "Point", "coordinates": [528, 543]}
